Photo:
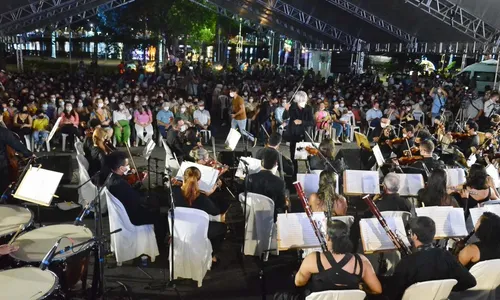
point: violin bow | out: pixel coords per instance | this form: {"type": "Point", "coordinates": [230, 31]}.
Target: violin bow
{"type": "Point", "coordinates": [297, 90]}
{"type": "Point", "coordinates": [133, 162]}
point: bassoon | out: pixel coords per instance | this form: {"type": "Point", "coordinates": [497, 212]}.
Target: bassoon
{"type": "Point", "coordinates": [307, 209]}
{"type": "Point", "coordinates": [396, 240]}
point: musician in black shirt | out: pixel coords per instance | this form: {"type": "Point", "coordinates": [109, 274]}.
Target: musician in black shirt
{"type": "Point", "coordinates": [274, 143]}
{"type": "Point", "coordinates": [173, 139]}
{"type": "Point", "coordinates": [430, 161]}
{"type": "Point", "coordinates": [391, 201]}
{"type": "Point", "coordinates": [471, 141]}
{"type": "Point", "coordinates": [427, 263]}
{"type": "Point", "coordinates": [408, 136]}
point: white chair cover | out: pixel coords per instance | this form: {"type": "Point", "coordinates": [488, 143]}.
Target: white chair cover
{"type": "Point", "coordinates": [171, 161]}
{"type": "Point", "coordinates": [79, 148]}
{"type": "Point", "coordinates": [260, 234]}
{"type": "Point", "coordinates": [487, 274]}
{"type": "Point", "coordinates": [133, 241]}
{"type": "Point", "coordinates": [88, 191]}
{"type": "Point", "coordinates": [191, 228]}
{"type": "Point", "coordinates": [430, 290]}
{"type": "Point", "coordinates": [337, 295]}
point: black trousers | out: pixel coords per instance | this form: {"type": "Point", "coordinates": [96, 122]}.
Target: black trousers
{"type": "Point", "coordinates": [216, 235]}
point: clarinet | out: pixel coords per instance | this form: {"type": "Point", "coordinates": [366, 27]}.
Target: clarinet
{"type": "Point", "coordinates": [396, 240]}
{"type": "Point", "coordinates": [307, 209]}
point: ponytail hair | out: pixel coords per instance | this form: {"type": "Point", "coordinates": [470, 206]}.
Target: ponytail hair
{"type": "Point", "coordinates": [190, 189]}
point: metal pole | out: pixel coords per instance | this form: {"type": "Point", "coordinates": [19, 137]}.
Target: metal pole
{"type": "Point", "coordinates": [496, 73]}
{"type": "Point", "coordinates": [70, 49]}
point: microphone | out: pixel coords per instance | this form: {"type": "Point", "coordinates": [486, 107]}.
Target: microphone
{"type": "Point", "coordinates": [48, 257]}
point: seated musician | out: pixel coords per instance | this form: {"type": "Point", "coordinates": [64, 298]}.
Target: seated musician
{"type": "Point", "coordinates": [471, 140]}
{"type": "Point", "coordinates": [189, 195]}
{"type": "Point", "coordinates": [427, 152]}
{"type": "Point", "coordinates": [274, 143]}
{"type": "Point", "coordinates": [478, 188]}
{"type": "Point", "coordinates": [367, 156]}
{"type": "Point", "coordinates": [98, 151]}
{"type": "Point", "coordinates": [326, 199]}
{"type": "Point", "coordinates": [326, 147]}
{"type": "Point", "coordinates": [268, 184]}
{"type": "Point", "coordinates": [391, 201]}
{"type": "Point", "coordinates": [488, 247]}
{"type": "Point", "coordinates": [403, 147]}
{"type": "Point", "coordinates": [88, 140]}
{"type": "Point", "coordinates": [427, 262]}
{"type": "Point", "coordinates": [339, 268]}
{"type": "Point", "coordinates": [138, 210]}
{"type": "Point", "coordinates": [173, 138]}
{"type": "Point", "coordinates": [435, 192]}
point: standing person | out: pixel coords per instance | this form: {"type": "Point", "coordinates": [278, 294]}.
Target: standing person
{"type": "Point", "coordinates": [439, 97]}
{"type": "Point", "coordinates": [301, 119]}
{"type": "Point", "coordinates": [239, 116]}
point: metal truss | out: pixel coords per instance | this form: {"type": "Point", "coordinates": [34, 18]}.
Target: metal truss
{"type": "Point", "coordinates": [34, 12]}
{"type": "Point", "coordinates": [312, 22]}
{"type": "Point", "coordinates": [373, 20]}
{"type": "Point", "coordinates": [459, 18]}
{"type": "Point", "coordinates": [82, 15]}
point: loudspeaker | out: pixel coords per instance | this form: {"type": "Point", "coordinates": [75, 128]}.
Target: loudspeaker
{"type": "Point", "coordinates": [60, 163]}
{"type": "Point", "coordinates": [341, 62]}
{"type": "Point", "coordinates": [230, 158]}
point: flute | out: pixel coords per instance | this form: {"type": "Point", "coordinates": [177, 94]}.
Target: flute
{"type": "Point", "coordinates": [396, 240]}
{"type": "Point", "coordinates": [307, 209]}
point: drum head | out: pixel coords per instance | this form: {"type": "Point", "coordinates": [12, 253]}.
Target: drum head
{"type": "Point", "coordinates": [12, 216]}
{"type": "Point", "coordinates": [27, 283]}
{"type": "Point", "coordinates": [33, 245]}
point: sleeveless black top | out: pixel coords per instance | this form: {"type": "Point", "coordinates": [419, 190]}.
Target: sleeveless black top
{"type": "Point", "coordinates": [336, 278]}
{"type": "Point", "coordinates": [486, 253]}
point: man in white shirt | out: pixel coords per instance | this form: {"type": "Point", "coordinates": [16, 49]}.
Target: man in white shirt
{"type": "Point", "coordinates": [491, 104]}
{"type": "Point", "coordinates": [475, 109]}
{"type": "Point", "coordinates": [202, 117]}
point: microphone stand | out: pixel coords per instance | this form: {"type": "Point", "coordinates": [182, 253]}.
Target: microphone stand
{"type": "Point", "coordinates": [162, 286]}
{"type": "Point", "coordinates": [245, 193]}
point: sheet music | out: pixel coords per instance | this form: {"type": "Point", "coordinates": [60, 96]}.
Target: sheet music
{"type": "Point", "coordinates": [38, 186]}
{"type": "Point", "coordinates": [209, 175]}
{"type": "Point", "coordinates": [300, 150]}
{"type": "Point", "coordinates": [455, 177]}
{"type": "Point", "coordinates": [450, 221]}
{"type": "Point", "coordinates": [295, 230]}
{"type": "Point", "coordinates": [378, 155]}
{"type": "Point", "coordinates": [493, 172]}
{"type": "Point", "coordinates": [410, 184]}
{"type": "Point", "coordinates": [375, 238]}
{"type": "Point", "coordinates": [369, 183]}
{"type": "Point", "coordinates": [54, 129]}
{"type": "Point", "coordinates": [254, 166]}
{"type": "Point", "coordinates": [232, 139]}
{"type": "Point", "coordinates": [471, 160]}
{"type": "Point", "coordinates": [476, 213]}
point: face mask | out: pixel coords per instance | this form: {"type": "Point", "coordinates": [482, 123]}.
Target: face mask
{"type": "Point", "coordinates": [82, 96]}
{"type": "Point", "coordinates": [5, 109]}
{"type": "Point", "coordinates": [405, 135]}
{"type": "Point", "coordinates": [69, 108]}
{"type": "Point", "coordinates": [166, 108]}
{"type": "Point", "coordinates": [302, 105]}
{"type": "Point", "coordinates": [144, 103]}
{"type": "Point", "coordinates": [100, 105]}
{"type": "Point", "coordinates": [231, 95]}
{"type": "Point", "coordinates": [80, 104]}
{"type": "Point", "coordinates": [408, 108]}
{"type": "Point", "coordinates": [336, 106]}
{"type": "Point", "coordinates": [420, 102]}
{"type": "Point", "coordinates": [342, 104]}
{"type": "Point", "coordinates": [361, 98]}
{"type": "Point", "coordinates": [373, 98]}
{"type": "Point", "coordinates": [113, 100]}
{"type": "Point", "coordinates": [283, 104]}
{"type": "Point", "coordinates": [183, 128]}
{"type": "Point", "coordinates": [11, 104]}
{"type": "Point", "coordinates": [122, 107]}
{"type": "Point", "coordinates": [45, 106]}
{"type": "Point", "coordinates": [256, 89]}
{"type": "Point", "coordinates": [183, 109]}
{"type": "Point", "coordinates": [61, 103]}
{"type": "Point", "coordinates": [202, 108]}
{"type": "Point", "coordinates": [106, 102]}
{"type": "Point", "coordinates": [250, 100]}
{"type": "Point", "coordinates": [136, 99]}
{"type": "Point", "coordinates": [127, 169]}
{"type": "Point", "coordinates": [245, 93]}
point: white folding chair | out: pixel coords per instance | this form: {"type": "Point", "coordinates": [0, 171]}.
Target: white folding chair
{"type": "Point", "coordinates": [64, 136]}
{"type": "Point", "coordinates": [27, 140]}
{"type": "Point", "coordinates": [419, 116]}
{"type": "Point", "coordinates": [430, 290]}
{"type": "Point", "coordinates": [206, 134]}
{"type": "Point", "coordinates": [88, 191]}
{"type": "Point", "coordinates": [132, 241]}
{"type": "Point", "coordinates": [190, 228]}
{"type": "Point", "coordinates": [487, 274]}
{"type": "Point", "coordinates": [260, 235]}
{"type": "Point", "coordinates": [354, 127]}
{"type": "Point", "coordinates": [338, 295]}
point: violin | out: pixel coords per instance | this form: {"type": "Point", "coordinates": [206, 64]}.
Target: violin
{"type": "Point", "coordinates": [409, 160]}
{"type": "Point", "coordinates": [218, 166]}
{"type": "Point", "coordinates": [108, 147]}
{"type": "Point", "coordinates": [134, 178]}
{"type": "Point", "coordinates": [396, 141]}
{"type": "Point", "coordinates": [459, 135]}
{"type": "Point", "coordinates": [311, 150]}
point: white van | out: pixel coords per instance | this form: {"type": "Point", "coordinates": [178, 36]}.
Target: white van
{"type": "Point", "coordinates": [483, 73]}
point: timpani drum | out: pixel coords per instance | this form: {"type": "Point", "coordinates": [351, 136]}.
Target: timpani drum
{"type": "Point", "coordinates": [70, 266]}
{"type": "Point", "coordinates": [11, 218]}
{"type": "Point", "coordinates": [27, 283]}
